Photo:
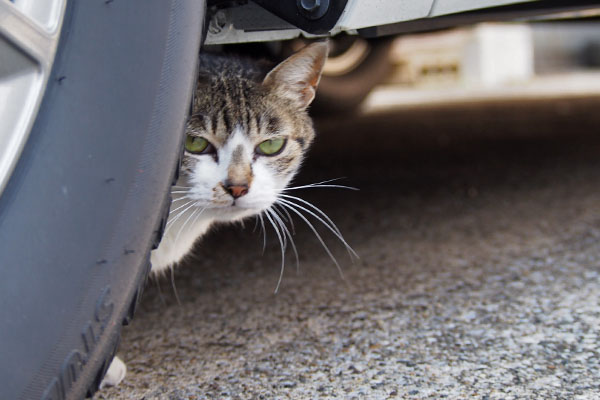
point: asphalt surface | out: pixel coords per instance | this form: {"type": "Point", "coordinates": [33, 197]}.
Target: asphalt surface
{"type": "Point", "coordinates": [478, 231]}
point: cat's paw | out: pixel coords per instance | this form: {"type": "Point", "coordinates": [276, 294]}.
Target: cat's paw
{"type": "Point", "coordinates": [115, 374]}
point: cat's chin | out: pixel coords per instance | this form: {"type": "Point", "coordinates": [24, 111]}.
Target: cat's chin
{"type": "Point", "coordinates": [234, 212]}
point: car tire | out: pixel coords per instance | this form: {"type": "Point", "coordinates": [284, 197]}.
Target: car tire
{"type": "Point", "coordinates": [89, 195]}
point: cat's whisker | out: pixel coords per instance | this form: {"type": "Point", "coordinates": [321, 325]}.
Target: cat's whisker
{"type": "Point", "coordinates": [187, 220]}
{"type": "Point", "coordinates": [288, 218]}
{"type": "Point", "coordinates": [264, 231]}
{"type": "Point", "coordinates": [267, 214]}
{"type": "Point", "coordinates": [180, 207]}
{"type": "Point", "coordinates": [181, 191]}
{"type": "Point", "coordinates": [198, 216]}
{"type": "Point", "coordinates": [330, 224]}
{"type": "Point", "coordinates": [283, 235]}
{"type": "Point", "coordinates": [322, 184]}
{"type": "Point", "coordinates": [317, 209]}
{"type": "Point", "coordinates": [333, 229]}
{"type": "Point", "coordinates": [287, 232]}
{"type": "Point", "coordinates": [278, 212]}
{"type": "Point", "coordinates": [282, 220]}
{"type": "Point", "coordinates": [289, 205]}
{"type": "Point", "coordinates": [181, 187]}
{"type": "Point", "coordinates": [278, 220]}
{"type": "Point", "coordinates": [181, 198]}
{"type": "Point", "coordinates": [174, 287]}
{"type": "Point", "coordinates": [170, 222]}
{"type": "Point", "coordinates": [319, 186]}
{"type": "Point", "coordinates": [328, 181]}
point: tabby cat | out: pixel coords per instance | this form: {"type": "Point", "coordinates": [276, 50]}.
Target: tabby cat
{"type": "Point", "coordinates": [246, 138]}
{"type": "Point", "coordinates": [245, 141]}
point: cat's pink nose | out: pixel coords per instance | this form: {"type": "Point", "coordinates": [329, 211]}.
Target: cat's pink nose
{"type": "Point", "coordinates": [236, 190]}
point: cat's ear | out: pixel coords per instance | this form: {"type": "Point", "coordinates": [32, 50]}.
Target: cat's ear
{"type": "Point", "coordinates": [297, 77]}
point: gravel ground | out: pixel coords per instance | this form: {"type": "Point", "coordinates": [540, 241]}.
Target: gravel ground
{"type": "Point", "coordinates": [478, 231]}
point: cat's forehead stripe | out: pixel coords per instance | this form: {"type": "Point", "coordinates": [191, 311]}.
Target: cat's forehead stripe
{"type": "Point", "coordinates": [231, 105]}
{"type": "Point", "coordinates": [228, 121]}
{"type": "Point", "coordinates": [237, 155]}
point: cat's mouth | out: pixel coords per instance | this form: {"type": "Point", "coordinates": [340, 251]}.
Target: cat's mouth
{"type": "Point", "coordinates": [242, 204]}
{"type": "Point", "coordinates": [234, 205]}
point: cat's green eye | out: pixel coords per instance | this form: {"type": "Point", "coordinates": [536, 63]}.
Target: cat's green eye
{"type": "Point", "coordinates": [196, 144]}
{"type": "Point", "coordinates": [271, 147]}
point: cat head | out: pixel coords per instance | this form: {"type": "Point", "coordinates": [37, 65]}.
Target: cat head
{"type": "Point", "coordinates": [249, 131]}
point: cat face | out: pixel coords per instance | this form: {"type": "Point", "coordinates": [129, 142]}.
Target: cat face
{"type": "Point", "coordinates": [247, 136]}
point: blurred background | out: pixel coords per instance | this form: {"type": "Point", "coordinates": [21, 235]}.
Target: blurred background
{"type": "Point", "coordinates": [489, 81]}
{"type": "Point", "coordinates": [481, 61]}
{"type": "Point", "coordinates": [493, 60]}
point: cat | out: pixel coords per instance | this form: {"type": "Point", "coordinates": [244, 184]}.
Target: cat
{"type": "Point", "coordinates": [245, 140]}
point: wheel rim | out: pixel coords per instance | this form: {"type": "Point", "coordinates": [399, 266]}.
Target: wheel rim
{"type": "Point", "coordinates": [29, 33]}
